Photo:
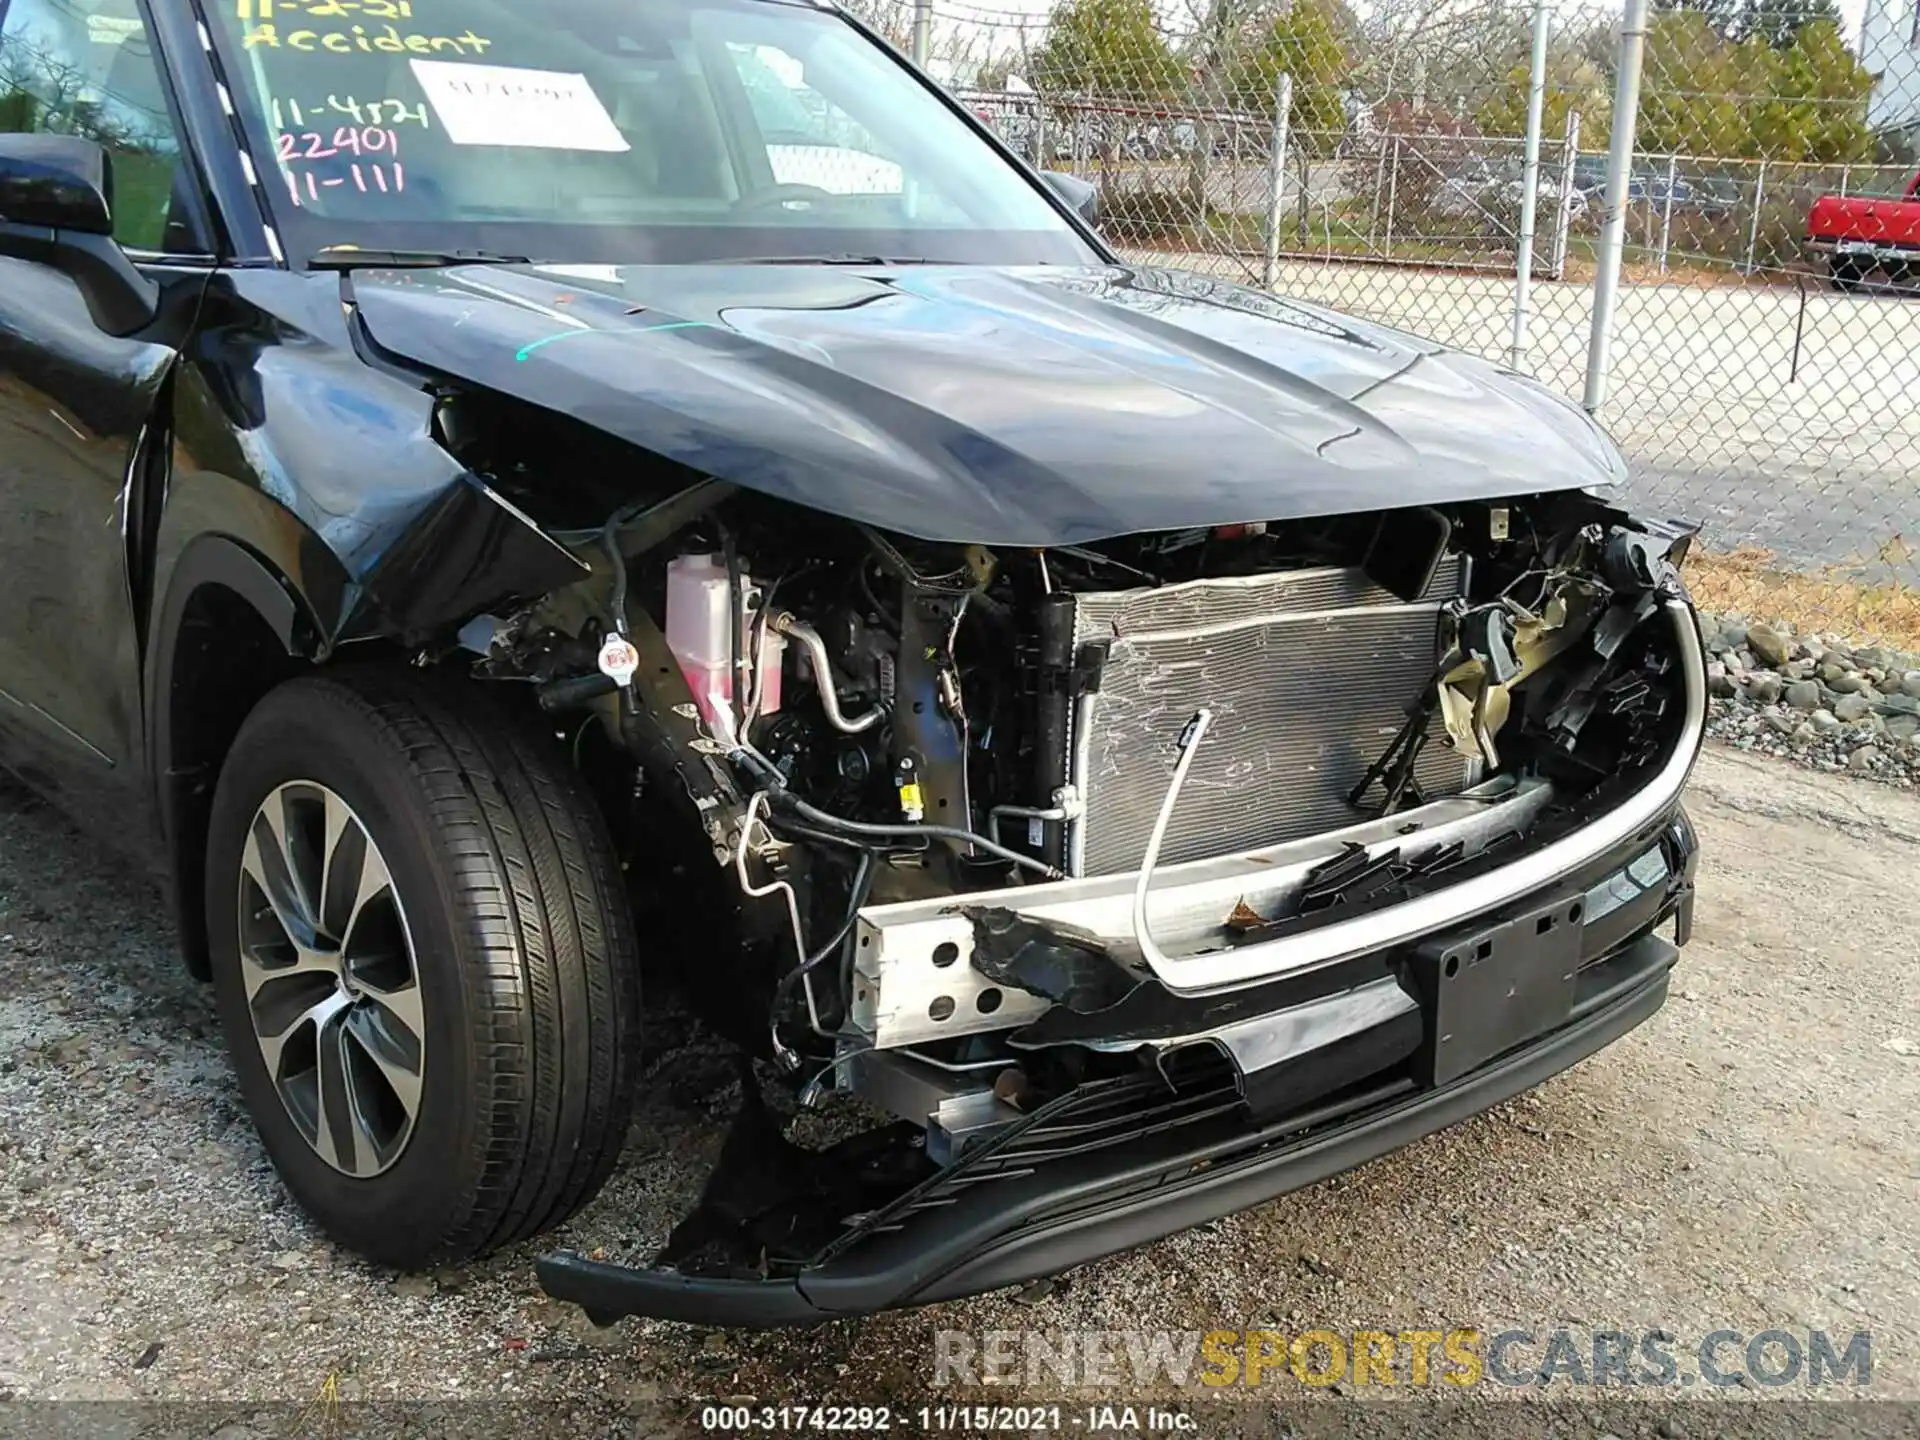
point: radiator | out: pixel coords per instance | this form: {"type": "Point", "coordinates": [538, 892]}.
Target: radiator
{"type": "Point", "coordinates": [1309, 675]}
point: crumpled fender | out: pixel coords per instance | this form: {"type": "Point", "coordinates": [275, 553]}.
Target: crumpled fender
{"type": "Point", "coordinates": [467, 551]}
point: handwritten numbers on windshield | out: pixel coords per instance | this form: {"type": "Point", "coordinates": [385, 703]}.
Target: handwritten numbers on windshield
{"type": "Point", "coordinates": [367, 177]}
{"type": "Point", "coordinates": [363, 112]}
{"type": "Point", "coordinates": [392, 112]}
{"type": "Point", "coordinates": [330, 9]}
{"type": "Point", "coordinates": [311, 145]}
{"type": "Point", "coordinates": [366, 174]}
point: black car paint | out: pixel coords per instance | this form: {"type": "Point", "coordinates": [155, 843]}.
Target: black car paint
{"type": "Point", "coordinates": [950, 402]}
{"type": "Point", "coordinates": [1029, 407]}
{"type": "Point", "coordinates": [269, 436]}
{"type": "Point", "coordinates": [1032, 1221]}
{"type": "Point", "coordinates": [1086, 1208]}
{"type": "Point", "coordinates": [77, 411]}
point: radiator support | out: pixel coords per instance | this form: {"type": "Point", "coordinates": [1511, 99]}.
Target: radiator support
{"type": "Point", "coordinates": [1309, 675]}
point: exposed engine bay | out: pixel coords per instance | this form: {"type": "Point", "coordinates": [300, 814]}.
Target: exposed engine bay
{"type": "Point", "coordinates": [974, 834]}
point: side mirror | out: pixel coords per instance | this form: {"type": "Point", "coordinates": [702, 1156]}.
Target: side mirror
{"type": "Point", "coordinates": [56, 208]}
{"type": "Point", "coordinates": [1082, 195]}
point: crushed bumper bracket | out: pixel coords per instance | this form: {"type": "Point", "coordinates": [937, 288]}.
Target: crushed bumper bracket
{"type": "Point", "coordinates": [1099, 1204]}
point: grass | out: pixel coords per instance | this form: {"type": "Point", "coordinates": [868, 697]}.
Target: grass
{"type": "Point", "coordinates": [1753, 582]}
{"type": "Point", "coordinates": [1168, 219]}
{"type": "Point", "coordinates": [142, 190]}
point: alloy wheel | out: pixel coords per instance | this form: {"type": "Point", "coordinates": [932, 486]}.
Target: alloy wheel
{"type": "Point", "coordinates": [332, 984]}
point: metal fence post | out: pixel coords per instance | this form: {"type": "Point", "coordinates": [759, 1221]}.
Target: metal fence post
{"type": "Point", "coordinates": [1759, 195]}
{"type": "Point", "coordinates": [1569, 154]}
{"type": "Point", "coordinates": [1845, 172]}
{"type": "Point", "coordinates": [1529, 185]}
{"type": "Point", "coordinates": [1606, 281]}
{"type": "Point", "coordinates": [1277, 178]}
{"type": "Point", "coordinates": [1379, 188]}
{"type": "Point", "coordinates": [1233, 166]}
{"type": "Point", "coordinates": [1666, 210]}
{"type": "Point", "coordinates": [1393, 186]}
{"type": "Point", "coordinates": [922, 31]}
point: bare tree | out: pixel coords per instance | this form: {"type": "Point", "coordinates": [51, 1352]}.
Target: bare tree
{"type": "Point", "coordinates": [41, 91]}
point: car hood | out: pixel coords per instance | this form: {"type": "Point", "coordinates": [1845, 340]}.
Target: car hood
{"type": "Point", "coordinates": [1026, 407]}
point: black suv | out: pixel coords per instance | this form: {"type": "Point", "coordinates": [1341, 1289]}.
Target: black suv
{"type": "Point", "coordinates": [502, 499]}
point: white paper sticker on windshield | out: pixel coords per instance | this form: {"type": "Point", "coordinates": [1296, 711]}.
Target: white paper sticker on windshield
{"type": "Point", "coordinates": [501, 105]}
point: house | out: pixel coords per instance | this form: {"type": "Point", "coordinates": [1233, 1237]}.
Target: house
{"type": "Point", "coordinates": [1890, 49]}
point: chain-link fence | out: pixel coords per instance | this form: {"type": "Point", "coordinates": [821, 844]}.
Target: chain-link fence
{"type": "Point", "coordinates": [1387, 157]}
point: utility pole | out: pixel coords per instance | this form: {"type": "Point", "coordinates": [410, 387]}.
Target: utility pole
{"type": "Point", "coordinates": [922, 31]}
{"type": "Point", "coordinates": [1529, 187]}
{"type": "Point", "coordinates": [1606, 284]}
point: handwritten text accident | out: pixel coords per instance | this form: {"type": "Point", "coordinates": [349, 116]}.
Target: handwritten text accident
{"type": "Point", "coordinates": [387, 40]}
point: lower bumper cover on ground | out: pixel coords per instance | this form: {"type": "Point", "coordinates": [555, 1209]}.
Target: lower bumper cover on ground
{"type": "Point", "coordinates": [1080, 1210]}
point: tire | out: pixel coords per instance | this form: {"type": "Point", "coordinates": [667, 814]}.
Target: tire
{"type": "Point", "coordinates": [1848, 276]}
{"type": "Point", "coordinates": [503, 938]}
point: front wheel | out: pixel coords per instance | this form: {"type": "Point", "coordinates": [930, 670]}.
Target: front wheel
{"type": "Point", "coordinates": [1848, 276]}
{"type": "Point", "coordinates": [424, 965]}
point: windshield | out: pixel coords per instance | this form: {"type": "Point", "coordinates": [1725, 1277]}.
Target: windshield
{"type": "Point", "coordinates": [615, 130]}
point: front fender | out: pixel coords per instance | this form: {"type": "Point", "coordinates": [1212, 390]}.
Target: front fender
{"type": "Point", "coordinates": [182, 765]}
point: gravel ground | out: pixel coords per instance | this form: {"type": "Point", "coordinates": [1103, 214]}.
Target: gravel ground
{"type": "Point", "coordinates": [1746, 1160]}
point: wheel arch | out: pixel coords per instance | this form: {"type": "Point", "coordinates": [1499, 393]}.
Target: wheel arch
{"type": "Point", "coordinates": [229, 627]}
{"type": "Point", "coordinates": [247, 595]}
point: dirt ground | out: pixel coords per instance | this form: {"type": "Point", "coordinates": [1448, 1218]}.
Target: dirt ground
{"type": "Point", "coordinates": [1748, 1160]}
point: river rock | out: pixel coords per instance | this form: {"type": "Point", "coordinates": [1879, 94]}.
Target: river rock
{"type": "Point", "coordinates": [1852, 708]}
{"type": "Point", "coordinates": [1769, 644]}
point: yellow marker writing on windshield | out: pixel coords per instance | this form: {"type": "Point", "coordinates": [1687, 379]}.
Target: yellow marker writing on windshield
{"type": "Point", "coordinates": [346, 42]}
{"type": "Point", "coordinates": [330, 9]}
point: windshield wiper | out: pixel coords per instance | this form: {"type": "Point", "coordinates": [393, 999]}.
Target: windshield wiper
{"type": "Point", "coordinates": [834, 258]}
{"type": "Point", "coordinates": [352, 257]}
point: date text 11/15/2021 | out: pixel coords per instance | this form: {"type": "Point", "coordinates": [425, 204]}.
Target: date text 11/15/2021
{"type": "Point", "coordinates": [945, 1419]}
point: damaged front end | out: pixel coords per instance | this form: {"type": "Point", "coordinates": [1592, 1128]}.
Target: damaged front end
{"type": "Point", "coordinates": [1124, 884]}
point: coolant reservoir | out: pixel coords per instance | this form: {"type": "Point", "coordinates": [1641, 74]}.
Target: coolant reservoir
{"type": "Point", "coordinates": [697, 617]}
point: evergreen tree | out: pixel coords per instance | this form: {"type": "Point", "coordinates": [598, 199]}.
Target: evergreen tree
{"type": "Point", "coordinates": [1302, 41]}
{"type": "Point", "coordinates": [1107, 49]}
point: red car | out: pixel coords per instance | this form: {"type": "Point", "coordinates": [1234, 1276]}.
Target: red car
{"type": "Point", "coordinates": [1859, 234]}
